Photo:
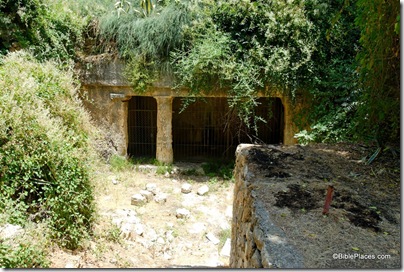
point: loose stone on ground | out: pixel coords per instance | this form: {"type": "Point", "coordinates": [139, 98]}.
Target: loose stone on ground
{"type": "Point", "coordinates": [147, 194]}
{"type": "Point", "coordinates": [151, 187]}
{"type": "Point", "coordinates": [160, 198]}
{"type": "Point", "coordinates": [211, 237]}
{"type": "Point", "coordinates": [186, 188]}
{"type": "Point", "coordinates": [226, 248]}
{"type": "Point", "coordinates": [203, 190]}
{"type": "Point", "coordinates": [182, 213]}
{"type": "Point", "coordinates": [138, 200]}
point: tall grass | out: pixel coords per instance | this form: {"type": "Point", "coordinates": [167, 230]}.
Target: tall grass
{"type": "Point", "coordinates": [154, 36]}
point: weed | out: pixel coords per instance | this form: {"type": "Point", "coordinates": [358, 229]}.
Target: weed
{"type": "Point", "coordinates": [175, 233]}
{"type": "Point", "coordinates": [223, 236]}
{"type": "Point", "coordinates": [213, 181]}
{"type": "Point", "coordinates": [144, 160]}
{"type": "Point", "coordinates": [163, 168]}
{"type": "Point", "coordinates": [120, 163]}
{"type": "Point", "coordinates": [113, 234]}
{"type": "Point", "coordinates": [124, 263]}
{"type": "Point", "coordinates": [219, 169]}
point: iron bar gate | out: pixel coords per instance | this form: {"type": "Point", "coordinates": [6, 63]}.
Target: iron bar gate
{"type": "Point", "coordinates": [142, 126]}
{"type": "Point", "coordinates": [208, 128]}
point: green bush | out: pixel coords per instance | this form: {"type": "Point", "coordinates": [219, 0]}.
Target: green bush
{"type": "Point", "coordinates": [44, 148]}
{"type": "Point", "coordinates": [22, 256]}
{"type": "Point", "coordinates": [50, 28]}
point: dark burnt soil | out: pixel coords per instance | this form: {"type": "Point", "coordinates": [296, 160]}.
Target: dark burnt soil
{"type": "Point", "coordinates": [298, 198]}
{"type": "Point", "coordinates": [364, 216]}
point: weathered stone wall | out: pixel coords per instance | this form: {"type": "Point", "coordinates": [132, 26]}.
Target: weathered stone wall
{"type": "Point", "coordinates": [256, 242]}
{"type": "Point", "coordinates": [110, 113]}
{"type": "Point", "coordinates": [106, 92]}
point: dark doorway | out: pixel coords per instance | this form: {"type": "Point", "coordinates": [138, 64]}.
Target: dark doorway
{"type": "Point", "coordinates": [142, 126]}
{"type": "Point", "coordinates": [208, 128]}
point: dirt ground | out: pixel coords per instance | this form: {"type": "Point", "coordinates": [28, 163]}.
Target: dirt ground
{"type": "Point", "coordinates": [151, 235]}
{"type": "Point", "coordinates": [362, 227]}
{"type": "Point", "coordinates": [364, 216]}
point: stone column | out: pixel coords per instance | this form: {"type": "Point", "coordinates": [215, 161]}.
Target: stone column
{"type": "Point", "coordinates": [164, 148]}
{"type": "Point", "coordinates": [289, 127]}
{"type": "Point", "coordinates": [117, 115]}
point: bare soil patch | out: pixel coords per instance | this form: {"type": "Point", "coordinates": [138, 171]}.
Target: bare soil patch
{"type": "Point", "coordinates": [364, 217]}
{"type": "Point", "coordinates": [151, 235]}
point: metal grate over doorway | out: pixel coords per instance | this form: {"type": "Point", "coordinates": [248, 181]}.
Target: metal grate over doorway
{"type": "Point", "coordinates": [142, 126]}
{"type": "Point", "coordinates": [208, 128]}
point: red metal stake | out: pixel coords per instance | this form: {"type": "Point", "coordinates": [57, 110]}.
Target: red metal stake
{"type": "Point", "coordinates": [328, 199]}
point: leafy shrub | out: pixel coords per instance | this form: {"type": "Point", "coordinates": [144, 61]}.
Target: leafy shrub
{"type": "Point", "coordinates": [50, 28]}
{"type": "Point", "coordinates": [44, 148]}
{"type": "Point", "coordinates": [379, 68]}
{"type": "Point", "coordinates": [22, 256]}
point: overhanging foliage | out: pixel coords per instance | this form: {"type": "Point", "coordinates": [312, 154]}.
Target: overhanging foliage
{"type": "Point", "coordinates": [305, 46]}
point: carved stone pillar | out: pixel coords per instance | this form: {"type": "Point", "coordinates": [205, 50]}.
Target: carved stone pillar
{"type": "Point", "coordinates": [289, 127]}
{"type": "Point", "coordinates": [164, 148]}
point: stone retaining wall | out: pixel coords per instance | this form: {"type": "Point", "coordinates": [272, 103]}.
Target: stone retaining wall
{"type": "Point", "coordinates": [256, 241]}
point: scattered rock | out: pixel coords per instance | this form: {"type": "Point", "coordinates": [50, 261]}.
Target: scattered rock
{"type": "Point", "coordinates": [9, 231]}
{"type": "Point", "coordinates": [117, 221]}
{"type": "Point", "coordinates": [225, 252]}
{"type": "Point", "coordinates": [146, 244]}
{"type": "Point", "coordinates": [161, 241]}
{"type": "Point", "coordinates": [70, 265]}
{"type": "Point", "coordinates": [147, 168]}
{"type": "Point", "coordinates": [211, 237]}
{"type": "Point", "coordinates": [124, 212]}
{"type": "Point", "coordinates": [197, 228]}
{"type": "Point", "coordinates": [151, 235]}
{"type": "Point", "coordinates": [127, 231]}
{"type": "Point", "coordinates": [147, 194]}
{"type": "Point", "coordinates": [151, 187]}
{"type": "Point", "coordinates": [132, 219]}
{"type": "Point", "coordinates": [167, 256]}
{"type": "Point", "coordinates": [138, 200]}
{"type": "Point", "coordinates": [139, 229]}
{"type": "Point", "coordinates": [186, 188]}
{"type": "Point", "coordinates": [160, 198]}
{"type": "Point", "coordinates": [229, 212]}
{"type": "Point", "coordinates": [169, 236]}
{"type": "Point", "coordinates": [203, 190]}
{"type": "Point", "coordinates": [182, 213]}
{"type": "Point", "coordinates": [141, 210]}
